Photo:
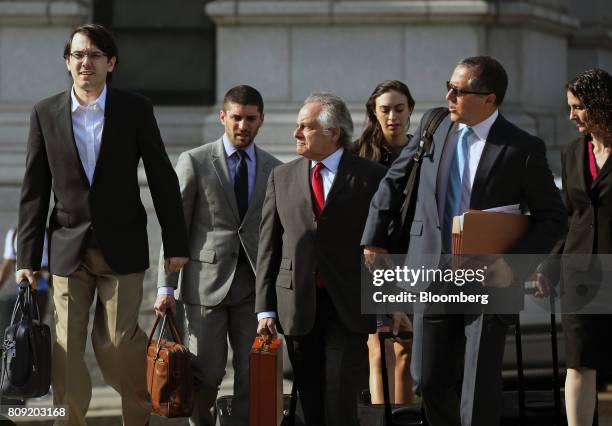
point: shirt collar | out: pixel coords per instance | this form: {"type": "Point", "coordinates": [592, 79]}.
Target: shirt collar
{"type": "Point", "coordinates": [231, 149]}
{"type": "Point", "coordinates": [331, 162]}
{"type": "Point", "coordinates": [101, 101]}
{"type": "Point", "coordinates": [482, 129]}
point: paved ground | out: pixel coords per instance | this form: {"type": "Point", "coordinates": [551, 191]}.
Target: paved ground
{"type": "Point", "coordinates": [105, 409]}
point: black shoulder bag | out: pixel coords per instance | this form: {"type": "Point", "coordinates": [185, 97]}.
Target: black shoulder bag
{"type": "Point", "coordinates": [399, 234]}
{"type": "Point", "coordinates": [26, 350]}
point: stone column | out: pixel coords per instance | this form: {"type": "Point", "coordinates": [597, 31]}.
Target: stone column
{"type": "Point", "coordinates": [591, 44]}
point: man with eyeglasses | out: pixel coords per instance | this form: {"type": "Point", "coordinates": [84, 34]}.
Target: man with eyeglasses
{"type": "Point", "coordinates": [479, 161]}
{"type": "Point", "coordinates": [85, 145]}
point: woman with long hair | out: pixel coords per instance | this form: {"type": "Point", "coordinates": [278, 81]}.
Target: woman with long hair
{"type": "Point", "coordinates": [587, 187]}
{"type": "Point", "coordinates": [386, 124]}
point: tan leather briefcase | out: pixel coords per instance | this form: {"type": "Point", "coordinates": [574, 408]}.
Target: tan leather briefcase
{"type": "Point", "coordinates": [266, 362]}
{"type": "Point", "coordinates": [169, 377]}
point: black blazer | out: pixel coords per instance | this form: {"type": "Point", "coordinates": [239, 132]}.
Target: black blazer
{"type": "Point", "coordinates": [292, 246]}
{"type": "Point", "coordinates": [589, 211]}
{"type": "Point", "coordinates": [111, 207]}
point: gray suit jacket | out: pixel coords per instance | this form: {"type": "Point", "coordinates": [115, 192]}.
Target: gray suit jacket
{"type": "Point", "coordinates": [215, 231]}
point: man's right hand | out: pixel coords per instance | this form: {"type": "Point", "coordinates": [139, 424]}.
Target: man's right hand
{"type": "Point", "coordinates": [370, 255]}
{"type": "Point", "coordinates": [267, 327]}
{"type": "Point", "coordinates": [163, 303]}
{"type": "Point", "coordinates": [26, 274]}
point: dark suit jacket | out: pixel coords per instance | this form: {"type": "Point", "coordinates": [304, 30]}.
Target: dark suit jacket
{"type": "Point", "coordinates": [111, 206]}
{"type": "Point", "coordinates": [292, 246]}
{"type": "Point", "coordinates": [512, 170]}
{"type": "Point", "coordinates": [589, 210]}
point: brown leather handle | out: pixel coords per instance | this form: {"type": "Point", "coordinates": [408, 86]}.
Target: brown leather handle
{"type": "Point", "coordinates": [173, 330]}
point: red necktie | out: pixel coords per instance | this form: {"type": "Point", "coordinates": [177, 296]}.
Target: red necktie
{"type": "Point", "coordinates": [318, 196]}
{"type": "Point", "coordinates": [318, 201]}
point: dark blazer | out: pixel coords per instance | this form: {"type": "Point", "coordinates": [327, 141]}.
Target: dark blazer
{"type": "Point", "coordinates": [111, 207]}
{"type": "Point", "coordinates": [512, 170]}
{"type": "Point", "coordinates": [292, 246]}
{"type": "Point", "coordinates": [589, 210]}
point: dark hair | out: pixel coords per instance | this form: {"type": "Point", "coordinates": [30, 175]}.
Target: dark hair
{"type": "Point", "coordinates": [102, 38]}
{"type": "Point", "coordinates": [594, 89]}
{"type": "Point", "coordinates": [371, 141]}
{"type": "Point", "coordinates": [489, 76]}
{"type": "Point", "coordinates": [244, 95]}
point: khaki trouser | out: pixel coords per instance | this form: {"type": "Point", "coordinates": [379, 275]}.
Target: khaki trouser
{"type": "Point", "coordinates": [119, 343]}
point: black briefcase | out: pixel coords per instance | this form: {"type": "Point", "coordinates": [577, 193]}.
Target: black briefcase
{"type": "Point", "coordinates": [26, 350]}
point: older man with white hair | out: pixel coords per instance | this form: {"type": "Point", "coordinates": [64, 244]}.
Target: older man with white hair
{"type": "Point", "coordinates": [309, 261]}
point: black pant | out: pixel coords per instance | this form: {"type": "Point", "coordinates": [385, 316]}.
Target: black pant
{"type": "Point", "coordinates": [330, 368]}
{"type": "Point", "coordinates": [462, 354]}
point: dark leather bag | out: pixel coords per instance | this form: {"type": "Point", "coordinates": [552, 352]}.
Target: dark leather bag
{"type": "Point", "coordinates": [26, 350]}
{"type": "Point", "coordinates": [398, 230]}
{"type": "Point", "coordinates": [169, 376]}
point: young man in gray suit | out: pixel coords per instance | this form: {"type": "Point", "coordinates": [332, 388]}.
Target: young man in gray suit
{"type": "Point", "coordinates": [502, 165]}
{"type": "Point", "coordinates": [223, 184]}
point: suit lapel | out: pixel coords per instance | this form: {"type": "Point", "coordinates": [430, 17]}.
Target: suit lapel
{"type": "Point", "coordinates": [66, 135]}
{"type": "Point", "coordinates": [262, 168]}
{"type": "Point", "coordinates": [302, 184]}
{"type": "Point", "coordinates": [343, 174]}
{"type": "Point", "coordinates": [222, 170]}
{"type": "Point", "coordinates": [579, 156]}
{"type": "Point", "coordinates": [109, 121]}
{"type": "Point", "coordinates": [439, 155]}
{"type": "Point", "coordinates": [494, 146]}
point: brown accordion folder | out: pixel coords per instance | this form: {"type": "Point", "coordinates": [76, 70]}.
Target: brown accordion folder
{"type": "Point", "coordinates": [486, 233]}
{"type": "Point", "coordinates": [266, 393]}
{"type": "Point", "coordinates": [169, 377]}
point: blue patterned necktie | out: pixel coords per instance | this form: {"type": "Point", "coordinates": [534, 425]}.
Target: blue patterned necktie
{"type": "Point", "coordinates": [458, 189]}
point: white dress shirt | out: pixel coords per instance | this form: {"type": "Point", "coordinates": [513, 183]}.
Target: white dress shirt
{"type": "Point", "coordinates": [87, 126]}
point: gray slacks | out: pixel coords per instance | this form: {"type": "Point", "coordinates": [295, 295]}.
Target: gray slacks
{"type": "Point", "coordinates": [209, 329]}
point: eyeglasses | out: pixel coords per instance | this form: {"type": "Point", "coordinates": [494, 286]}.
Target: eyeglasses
{"type": "Point", "coordinates": [93, 56]}
{"type": "Point", "coordinates": [460, 92]}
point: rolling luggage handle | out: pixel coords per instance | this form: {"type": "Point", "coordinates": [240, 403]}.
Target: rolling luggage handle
{"type": "Point", "coordinates": [382, 336]}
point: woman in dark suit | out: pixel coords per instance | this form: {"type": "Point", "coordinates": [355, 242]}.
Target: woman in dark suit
{"type": "Point", "coordinates": [388, 111]}
{"type": "Point", "coordinates": [587, 187]}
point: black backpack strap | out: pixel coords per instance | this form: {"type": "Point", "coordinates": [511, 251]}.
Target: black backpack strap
{"type": "Point", "coordinates": [425, 144]}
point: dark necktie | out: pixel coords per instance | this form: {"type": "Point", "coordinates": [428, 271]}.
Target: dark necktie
{"type": "Point", "coordinates": [318, 202]}
{"type": "Point", "coordinates": [241, 183]}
